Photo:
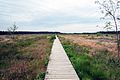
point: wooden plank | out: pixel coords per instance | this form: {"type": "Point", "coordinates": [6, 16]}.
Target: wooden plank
{"type": "Point", "coordinates": [59, 66]}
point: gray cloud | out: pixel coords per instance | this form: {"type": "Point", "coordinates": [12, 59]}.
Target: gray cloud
{"type": "Point", "coordinates": [47, 14]}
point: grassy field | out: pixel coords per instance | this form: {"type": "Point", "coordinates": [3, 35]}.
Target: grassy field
{"type": "Point", "coordinates": [25, 57]}
{"type": "Point", "coordinates": [95, 41]}
{"type": "Point", "coordinates": [102, 65]}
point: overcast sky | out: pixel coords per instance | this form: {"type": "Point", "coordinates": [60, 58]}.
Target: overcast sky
{"type": "Point", "coordinates": [50, 15]}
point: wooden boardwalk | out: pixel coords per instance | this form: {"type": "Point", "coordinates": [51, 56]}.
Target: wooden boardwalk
{"type": "Point", "coordinates": [59, 66]}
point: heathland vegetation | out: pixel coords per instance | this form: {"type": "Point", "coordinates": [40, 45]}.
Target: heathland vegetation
{"type": "Point", "coordinates": [102, 65]}
{"type": "Point", "coordinates": [94, 56]}
{"type": "Point", "coordinates": [25, 57]}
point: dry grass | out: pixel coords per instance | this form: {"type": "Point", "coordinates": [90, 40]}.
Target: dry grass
{"type": "Point", "coordinates": [94, 42]}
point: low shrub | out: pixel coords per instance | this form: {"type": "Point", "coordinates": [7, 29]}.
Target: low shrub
{"type": "Point", "coordinates": [40, 76]}
{"type": "Point", "coordinates": [51, 38]}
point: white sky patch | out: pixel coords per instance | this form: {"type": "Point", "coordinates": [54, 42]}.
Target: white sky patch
{"type": "Point", "coordinates": [24, 12]}
{"type": "Point", "coordinates": [78, 28]}
{"type": "Point", "coordinates": [69, 28]}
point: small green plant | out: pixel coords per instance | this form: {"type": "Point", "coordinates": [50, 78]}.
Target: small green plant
{"type": "Point", "coordinates": [52, 37]}
{"type": "Point", "coordinates": [98, 34]}
{"type": "Point", "coordinates": [26, 42]}
{"type": "Point", "coordinates": [40, 76]}
{"type": "Point", "coordinates": [99, 43]}
{"type": "Point", "coordinates": [46, 60]}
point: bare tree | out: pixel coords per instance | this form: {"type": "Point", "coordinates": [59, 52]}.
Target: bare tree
{"type": "Point", "coordinates": [111, 11]}
{"type": "Point", "coordinates": [12, 30]}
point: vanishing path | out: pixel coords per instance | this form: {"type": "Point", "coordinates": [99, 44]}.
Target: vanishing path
{"type": "Point", "coordinates": [59, 66]}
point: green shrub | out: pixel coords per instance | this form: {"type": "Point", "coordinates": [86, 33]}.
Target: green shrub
{"type": "Point", "coordinates": [51, 38]}
{"type": "Point", "coordinates": [40, 76]}
{"type": "Point", "coordinates": [24, 43]}
{"type": "Point", "coordinates": [46, 60]}
{"type": "Point", "coordinates": [8, 50]}
{"type": "Point", "coordinates": [3, 64]}
{"type": "Point", "coordinates": [98, 34]}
